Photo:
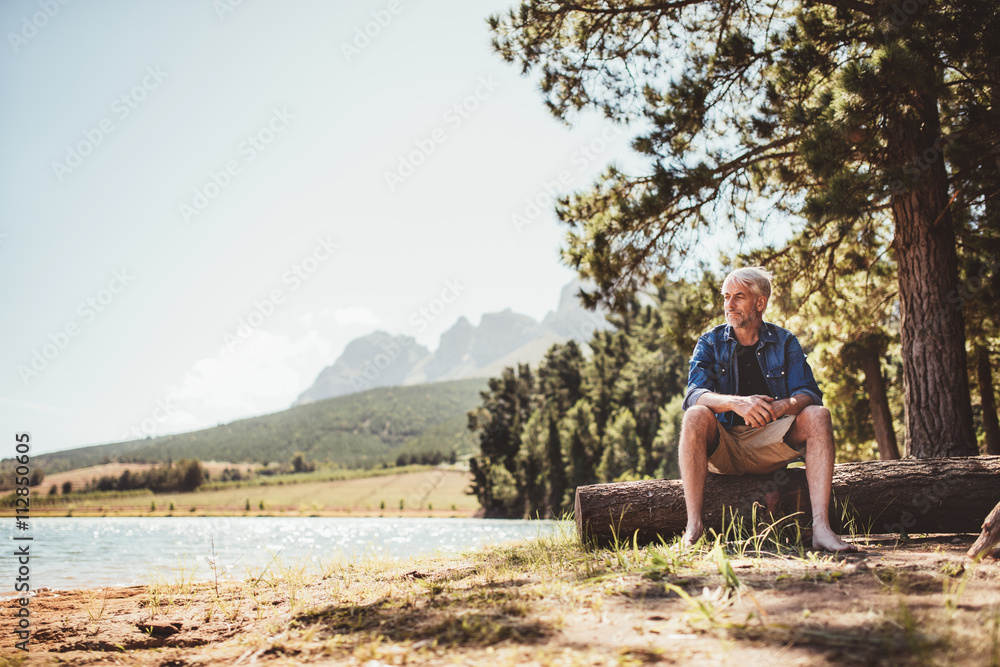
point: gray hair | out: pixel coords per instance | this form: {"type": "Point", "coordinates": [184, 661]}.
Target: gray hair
{"type": "Point", "coordinates": [757, 278]}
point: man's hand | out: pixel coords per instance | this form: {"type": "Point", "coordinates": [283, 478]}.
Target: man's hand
{"type": "Point", "coordinates": [758, 410]}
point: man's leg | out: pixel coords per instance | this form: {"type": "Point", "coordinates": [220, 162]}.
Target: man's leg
{"type": "Point", "coordinates": [813, 428]}
{"type": "Point", "coordinates": [699, 432]}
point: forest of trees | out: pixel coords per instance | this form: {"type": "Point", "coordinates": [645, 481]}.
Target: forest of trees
{"type": "Point", "coordinates": [575, 421]}
{"type": "Point", "coordinates": [850, 146]}
{"type": "Point", "coordinates": [613, 412]}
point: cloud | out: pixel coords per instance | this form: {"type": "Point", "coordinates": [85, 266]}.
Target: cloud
{"type": "Point", "coordinates": [357, 315]}
{"type": "Point", "coordinates": [263, 374]}
{"type": "Point", "coordinates": [315, 318]}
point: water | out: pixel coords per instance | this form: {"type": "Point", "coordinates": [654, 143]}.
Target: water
{"type": "Point", "coordinates": [90, 552]}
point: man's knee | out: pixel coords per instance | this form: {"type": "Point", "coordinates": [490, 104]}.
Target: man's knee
{"type": "Point", "coordinates": [815, 414]}
{"type": "Point", "coordinates": [699, 422]}
{"type": "Point", "coordinates": [814, 422]}
{"type": "Point", "coordinates": [698, 416]}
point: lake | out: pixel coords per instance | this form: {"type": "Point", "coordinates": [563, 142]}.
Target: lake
{"type": "Point", "coordinates": [90, 552]}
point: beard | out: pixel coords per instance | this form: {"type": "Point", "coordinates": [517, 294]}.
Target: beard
{"type": "Point", "coordinates": [738, 320]}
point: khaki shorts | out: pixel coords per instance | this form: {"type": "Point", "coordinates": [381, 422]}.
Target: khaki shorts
{"type": "Point", "coordinates": [745, 449]}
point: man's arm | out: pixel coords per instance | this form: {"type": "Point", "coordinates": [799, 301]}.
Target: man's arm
{"type": "Point", "coordinates": [702, 376]}
{"type": "Point", "coordinates": [793, 405]}
{"type": "Point", "coordinates": [800, 375]}
{"type": "Point", "coordinates": [756, 410]}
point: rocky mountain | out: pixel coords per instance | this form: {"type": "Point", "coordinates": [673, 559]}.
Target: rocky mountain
{"type": "Point", "coordinates": [501, 339]}
{"type": "Point", "coordinates": [376, 360]}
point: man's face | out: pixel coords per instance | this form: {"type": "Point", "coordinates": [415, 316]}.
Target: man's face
{"type": "Point", "coordinates": [742, 309]}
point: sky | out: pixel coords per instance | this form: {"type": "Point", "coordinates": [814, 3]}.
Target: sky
{"type": "Point", "coordinates": [202, 202]}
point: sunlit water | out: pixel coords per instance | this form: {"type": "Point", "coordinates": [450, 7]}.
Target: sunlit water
{"type": "Point", "coordinates": [89, 552]}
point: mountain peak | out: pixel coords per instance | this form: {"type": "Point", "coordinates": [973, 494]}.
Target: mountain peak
{"type": "Point", "coordinates": [502, 338]}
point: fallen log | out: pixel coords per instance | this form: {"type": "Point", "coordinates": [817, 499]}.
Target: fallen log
{"type": "Point", "coordinates": [989, 537]}
{"type": "Point", "coordinates": [932, 495]}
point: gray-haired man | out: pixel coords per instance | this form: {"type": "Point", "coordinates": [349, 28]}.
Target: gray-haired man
{"type": "Point", "coordinates": [752, 404]}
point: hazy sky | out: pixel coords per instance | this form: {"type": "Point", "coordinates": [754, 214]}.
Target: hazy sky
{"type": "Point", "coordinates": [316, 170]}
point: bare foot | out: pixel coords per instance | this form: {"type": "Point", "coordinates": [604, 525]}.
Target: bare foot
{"type": "Point", "coordinates": [692, 535]}
{"type": "Point", "coordinates": [825, 538]}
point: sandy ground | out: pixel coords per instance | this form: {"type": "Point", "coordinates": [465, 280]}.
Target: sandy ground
{"type": "Point", "coordinates": [923, 602]}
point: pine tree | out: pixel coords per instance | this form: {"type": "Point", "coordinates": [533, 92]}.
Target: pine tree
{"type": "Point", "coordinates": [611, 351]}
{"type": "Point", "coordinates": [560, 386]}
{"type": "Point", "coordinates": [667, 438]}
{"type": "Point", "coordinates": [581, 448]}
{"type": "Point", "coordinates": [559, 376]}
{"type": "Point", "coordinates": [555, 466]}
{"type": "Point", "coordinates": [499, 422]}
{"type": "Point", "coordinates": [829, 114]}
{"type": "Point", "coordinates": [531, 466]}
{"type": "Point", "coordinates": [620, 460]}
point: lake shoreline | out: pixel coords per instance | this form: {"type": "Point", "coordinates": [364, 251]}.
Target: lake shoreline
{"type": "Point", "coordinates": [82, 552]}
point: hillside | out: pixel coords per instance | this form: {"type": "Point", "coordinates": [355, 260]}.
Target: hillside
{"type": "Point", "coordinates": [358, 430]}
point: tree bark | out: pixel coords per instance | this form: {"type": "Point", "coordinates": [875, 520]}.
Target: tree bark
{"type": "Point", "coordinates": [991, 426]}
{"type": "Point", "coordinates": [910, 495]}
{"type": "Point", "coordinates": [932, 330]}
{"type": "Point", "coordinates": [878, 402]}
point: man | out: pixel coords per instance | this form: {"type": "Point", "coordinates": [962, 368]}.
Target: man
{"type": "Point", "coordinates": [751, 403]}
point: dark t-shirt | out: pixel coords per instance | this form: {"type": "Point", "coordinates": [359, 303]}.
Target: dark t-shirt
{"type": "Point", "coordinates": [752, 379]}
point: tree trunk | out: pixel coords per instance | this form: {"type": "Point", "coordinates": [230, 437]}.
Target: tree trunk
{"type": "Point", "coordinates": [878, 402]}
{"type": "Point", "coordinates": [991, 426]}
{"type": "Point", "coordinates": [911, 495]}
{"type": "Point", "coordinates": [932, 331]}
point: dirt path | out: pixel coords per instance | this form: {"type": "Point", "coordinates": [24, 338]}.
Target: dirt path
{"type": "Point", "coordinates": [548, 604]}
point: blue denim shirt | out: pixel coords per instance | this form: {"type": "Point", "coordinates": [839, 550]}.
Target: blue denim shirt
{"type": "Point", "coordinates": [713, 366]}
